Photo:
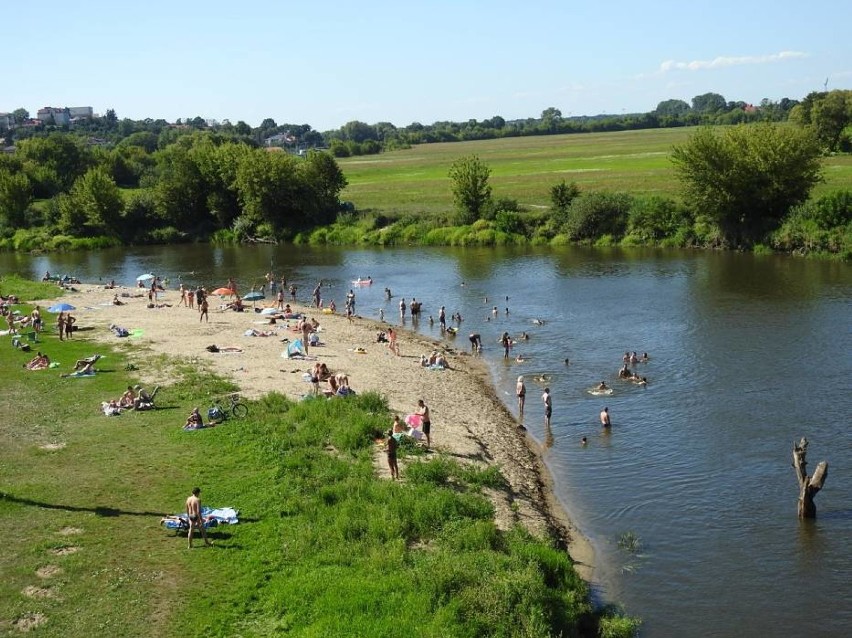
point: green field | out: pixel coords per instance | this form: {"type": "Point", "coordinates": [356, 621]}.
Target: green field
{"type": "Point", "coordinates": [414, 181]}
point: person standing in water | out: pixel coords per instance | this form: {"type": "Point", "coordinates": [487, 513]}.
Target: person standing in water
{"type": "Point", "coordinates": [521, 393]}
{"type": "Point", "coordinates": [605, 420]}
{"type": "Point", "coordinates": [548, 406]}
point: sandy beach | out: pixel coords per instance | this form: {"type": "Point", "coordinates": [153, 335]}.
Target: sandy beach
{"type": "Point", "coordinates": [469, 422]}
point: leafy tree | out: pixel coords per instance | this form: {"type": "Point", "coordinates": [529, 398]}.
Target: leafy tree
{"type": "Point", "coordinates": [358, 132]}
{"type": "Point", "coordinates": [708, 103]}
{"type": "Point", "coordinates": [747, 177]}
{"type": "Point", "coordinates": [242, 128]}
{"type": "Point", "coordinates": [21, 115]}
{"type": "Point", "coordinates": [830, 116]}
{"type": "Point", "coordinates": [110, 118]}
{"type": "Point", "coordinates": [596, 214]}
{"type": "Point", "coordinates": [66, 155]}
{"type": "Point", "coordinates": [671, 108]}
{"type": "Point", "coordinates": [561, 196]}
{"type": "Point", "coordinates": [323, 181]}
{"type": "Point", "coordinates": [269, 189]}
{"type": "Point", "coordinates": [93, 207]}
{"type": "Point", "coordinates": [471, 190]}
{"type": "Point", "coordinates": [268, 124]}
{"type": "Point", "coordinates": [181, 191]}
{"type": "Point", "coordinates": [15, 197]}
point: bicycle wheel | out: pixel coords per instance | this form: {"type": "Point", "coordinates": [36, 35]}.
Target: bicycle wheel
{"type": "Point", "coordinates": [239, 410]}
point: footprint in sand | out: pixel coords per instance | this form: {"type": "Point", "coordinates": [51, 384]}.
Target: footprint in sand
{"type": "Point", "coordinates": [29, 622]}
{"type": "Point", "coordinates": [48, 571]}
{"type": "Point", "coordinates": [65, 551]}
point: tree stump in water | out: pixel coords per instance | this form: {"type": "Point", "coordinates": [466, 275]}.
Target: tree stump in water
{"type": "Point", "coordinates": [808, 486]}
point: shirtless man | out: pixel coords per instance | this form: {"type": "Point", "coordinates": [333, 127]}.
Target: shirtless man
{"type": "Point", "coordinates": [203, 310]}
{"type": "Point", "coordinates": [605, 422]}
{"type": "Point", "coordinates": [193, 510]}
{"type": "Point", "coordinates": [426, 423]}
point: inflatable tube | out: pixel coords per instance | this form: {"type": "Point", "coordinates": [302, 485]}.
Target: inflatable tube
{"type": "Point", "coordinates": [327, 311]}
{"type": "Point", "coordinates": [362, 282]}
{"type": "Point", "coordinates": [599, 393]}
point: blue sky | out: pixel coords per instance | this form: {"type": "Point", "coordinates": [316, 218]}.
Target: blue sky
{"type": "Point", "coordinates": [327, 63]}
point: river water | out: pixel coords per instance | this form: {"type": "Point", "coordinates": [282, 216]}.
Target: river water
{"type": "Point", "coordinates": [748, 354]}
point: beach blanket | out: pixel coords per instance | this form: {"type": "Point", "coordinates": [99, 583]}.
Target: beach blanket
{"type": "Point", "coordinates": [295, 350]}
{"type": "Point", "coordinates": [211, 517]}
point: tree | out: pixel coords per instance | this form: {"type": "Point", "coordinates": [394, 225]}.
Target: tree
{"type": "Point", "coordinates": [21, 115]}
{"type": "Point", "coordinates": [93, 207]}
{"type": "Point", "coordinates": [242, 128]}
{"type": "Point", "coordinates": [748, 177]}
{"type": "Point", "coordinates": [671, 108]}
{"type": "Point", "coordinates": [471, 191]}
{"type": "Point", "coordinates": [561, 196]}
{"type": "Point", "coordinates": [830, 115]}
{"type": "Point", "coordinates": [110, 119]}
{"type": "Point", "coordinates": [808, 485]}
{"type": "Point", "coordinates": [15, 197]}
{"type": "Point", "coordinates": [708, 103]}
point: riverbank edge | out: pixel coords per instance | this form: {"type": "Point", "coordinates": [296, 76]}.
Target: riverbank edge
{"type": "Point", "coordinates": [560, 525]}
{"type": "Point", "coordinates": [530, 484]}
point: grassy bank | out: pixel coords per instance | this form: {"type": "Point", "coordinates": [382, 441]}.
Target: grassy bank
{"type": "Point", "coordinates": [415, 181]}
{"type": "Point", "coordinates": [325, 546]}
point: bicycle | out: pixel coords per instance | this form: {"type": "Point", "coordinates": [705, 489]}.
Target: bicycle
{"type": "Point", "coordinates": [236, 409]}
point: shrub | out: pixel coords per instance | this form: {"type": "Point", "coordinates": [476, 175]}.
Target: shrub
{"type": "Point", "coordinates": [595, 214]}
{"type": "Point", "coordinates": [652, 219]}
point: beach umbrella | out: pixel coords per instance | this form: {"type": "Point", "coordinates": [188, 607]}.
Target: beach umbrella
{"type": "Point", "coordinates": [223, 292]}
{"type": "Point", "coordinates": [254, 296]}
{"type": "Point", "coordinates": [146, 277]}
{"type": "Point", "coordinates": [61, 307]}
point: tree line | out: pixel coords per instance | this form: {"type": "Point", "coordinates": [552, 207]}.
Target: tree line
{"type": "Point", "coordinates": [825, 111]}
{"type": "Point", "coordinates": [55, 189]}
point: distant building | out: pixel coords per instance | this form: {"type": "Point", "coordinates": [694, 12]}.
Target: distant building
{"type": "Point", "coordinates": [82, 112]}
{"type": "Point", "coordinates": [7, 121]}
{"type": "Point", "coordinates": [65, 115]}
{"type": "Point", "coordinates": [280, 139]}
{"type": "Point", "coordinates": [54, 115]}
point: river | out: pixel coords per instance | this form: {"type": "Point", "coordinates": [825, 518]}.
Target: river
{"type": "Point", "coordinates": [748, 354]}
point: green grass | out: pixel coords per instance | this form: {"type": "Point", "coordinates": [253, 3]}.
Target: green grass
{"type": "Point", "coordinates": [415, 181]}
{"type": "Point", "coordinates": [325, 547]}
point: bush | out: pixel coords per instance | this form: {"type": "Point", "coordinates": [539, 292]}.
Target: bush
{"type": "Point", "coordinates": [652, 219]}
{"type": "Point", "coordinates": [595, 214]}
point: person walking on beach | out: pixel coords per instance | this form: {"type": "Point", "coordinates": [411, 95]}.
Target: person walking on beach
{"type": "Point", "coordinates": [548, 406]}
{"type": "Point", "coordinates": [393, 346]}
{"type": "Point", "coordinates": [281, 299]}
{"type": "Point", "coordinates": [293, 292]}
{"type": "Point", "coordinates": [521, 393]}
{"type": "Point", "coordinates": [426, 422]}
{"type": "Point", "coordinates": [605, 420]}
{"type": "Point", "coordinates": [190, 297]}
{"type": "Point", "coordinates": [392, 444]}
{"type": "Point", "coordinates": [193, 511]}
{"type": "Point", "coordinates": [202, 309]}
